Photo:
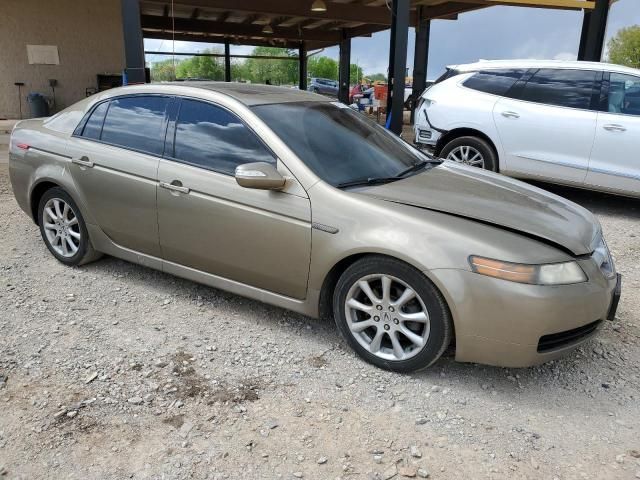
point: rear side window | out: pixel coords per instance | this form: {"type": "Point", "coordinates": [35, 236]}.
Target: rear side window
{"type": "Point", "coordinates": [451, 72]}
{"type": "Point", "coordinates": [211, 137]}
{"type": "Point", "coordinates": [93, 127]}
{"type": "Point", "coordinates": [136, 123]}
{"type": "Point", "coordinates": [624, 94]}
{"type": "Point", "coordinates": [495, 82]}
{"type": "Point", "coordinates": [563, 88]}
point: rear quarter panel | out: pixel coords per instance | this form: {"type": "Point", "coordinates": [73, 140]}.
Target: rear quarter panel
{"type": "Point", "coordinates": [45, 160]}
{"type": "Point", "coordinates": [456, 106]}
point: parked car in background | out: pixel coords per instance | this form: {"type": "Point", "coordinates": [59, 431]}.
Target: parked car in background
{"type": "Point", "coordinates": [230, 185]}
{"type": "Point", "coordinates": [573, 123]}
{"type": "Point", "coordinates": [323, 86]}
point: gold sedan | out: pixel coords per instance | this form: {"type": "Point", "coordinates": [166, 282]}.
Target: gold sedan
{"type": "Point", "coordinates": [292, 199]}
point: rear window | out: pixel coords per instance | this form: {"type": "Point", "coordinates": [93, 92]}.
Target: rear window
{"type": "Point", "coordinates": [495, 82]}
{"type": "Point", "coordinates": [451, 72]}
{"type": "Point", "coordinates": [93, 127]}
{"type": "Point", "coordinates": [560, 87]}
{"type": "Point", "coordinates": [136, 123]}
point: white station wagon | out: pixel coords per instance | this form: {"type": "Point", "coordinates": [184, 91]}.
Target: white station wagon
{"type": "Point", "coordinates": [572, 123]}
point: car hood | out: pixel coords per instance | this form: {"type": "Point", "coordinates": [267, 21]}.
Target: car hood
{"type": "Point", "coordinates": [495, 199]}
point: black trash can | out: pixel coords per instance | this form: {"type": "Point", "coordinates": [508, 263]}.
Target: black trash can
{"type": "Point", "coordinates": [38, 105]}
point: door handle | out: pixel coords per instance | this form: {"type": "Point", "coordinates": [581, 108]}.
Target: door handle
{"type": "Point", "coordinates": [175, 186]}
{"type": "Point", "coordinates": [510, 115]}
{"type": "Point", "coordinates": [614, 127]}
{"type": "Point", "coordinates": [82, 161]}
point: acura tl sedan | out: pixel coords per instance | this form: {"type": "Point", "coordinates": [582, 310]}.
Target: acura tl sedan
{"type": "Point", "coordinates": [290, 198]}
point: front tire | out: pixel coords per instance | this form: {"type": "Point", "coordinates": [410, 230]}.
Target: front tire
{"type": "Point", "coordinates": [391, 314]}
{"type": "Point", "coordinates": [472, 151]}
{"type": "Point", "coordinates": [63, 228]}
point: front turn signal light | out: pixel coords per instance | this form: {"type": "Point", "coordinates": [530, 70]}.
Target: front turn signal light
{"type": "Point", "coordinates": [564, 273]}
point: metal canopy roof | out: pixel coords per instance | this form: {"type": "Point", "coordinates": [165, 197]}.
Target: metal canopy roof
{"type": "Point", "coordinates": [292, 21]}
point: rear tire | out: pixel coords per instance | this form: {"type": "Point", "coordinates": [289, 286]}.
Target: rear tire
{"type": "Point", "coordinates": [470, 151]}
{"type": "Point", "coordinates": [403, 327]}
{"type": "Point", "coordinates": [63, 228]}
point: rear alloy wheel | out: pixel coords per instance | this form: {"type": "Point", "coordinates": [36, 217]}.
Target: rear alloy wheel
{"type": "Point", "coordinates": [63, 229]}
{"type": "Point", "coordinates": [391, 314]}
{"type": "Point", "coordinates": [472, 151]}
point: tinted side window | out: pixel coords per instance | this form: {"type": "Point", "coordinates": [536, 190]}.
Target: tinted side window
{"type": "Point", "coordinates": [446, 75]}
{"type": "Point", "coordinates": [93, 127]}
{"type": "Point", "coordinates": [564, 88]}
{"type": "Point", "coordinates": [211, 137]}
{"type": "Point", "coordinates": [624, 94]}
{"type": "Point", "coordinates": [136, 123]}
{"type": "Point", "coordinates": [496, 82]}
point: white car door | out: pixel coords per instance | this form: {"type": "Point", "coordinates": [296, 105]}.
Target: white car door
{"type": "Point", "coordinates": [615, 163]}
{"type": "Point", "coordinates": [547, 129]}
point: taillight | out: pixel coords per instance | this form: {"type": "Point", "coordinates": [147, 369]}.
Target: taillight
{"type": "Point", "coordinates": [23, 146]}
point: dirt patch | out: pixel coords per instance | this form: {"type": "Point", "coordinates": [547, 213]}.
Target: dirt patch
{"type": "Point", "coordinates": [176, 421]}
{"type": "Point", "coordinates": [317, 361]}
{"type": "Point", "coordinates": [245, 391]}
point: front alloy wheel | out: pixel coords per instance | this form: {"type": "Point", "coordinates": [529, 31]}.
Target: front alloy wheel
{"type": "Point", "coordinates": [391, 314]}
{"type": "Point", "coordinates": [387, 317]}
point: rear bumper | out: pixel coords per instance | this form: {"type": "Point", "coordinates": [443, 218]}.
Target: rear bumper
{"type": "Point", "coordinates": [426, 135]}
{"type": "Point", "coordinates": [515, 325]}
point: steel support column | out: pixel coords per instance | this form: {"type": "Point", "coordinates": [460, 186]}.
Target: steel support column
{"type": "Point", "coordinates": [344, 69]}
{"type": "Point", "coordinates": [398, 66]}
{"type": "Point", "coordinates": [227, 62]}
{"type": "Point", "coordinates": [594, 26]}
{"type": "Point", "coordinates": [420, 60]}
{"type": "Point", "coordinates": [133, 43]}
{"type": "Point", "coordinates": [302, 66]}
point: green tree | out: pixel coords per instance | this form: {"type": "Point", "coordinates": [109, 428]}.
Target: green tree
{"type": "Point", "coordinates": [355, 73]}
{"type": "Point", "coordinates": [624, 47]}
{"type": "Point", "coordinates": [162, 71]}
{"type": "Point", "coordinates": [211, 68]}
{"type": "Point", "coordinates": [322, 67]}
{"type": "Point", "coordinates": [276, 71]}
{"type": "Point", "coordinates": [377, 77]}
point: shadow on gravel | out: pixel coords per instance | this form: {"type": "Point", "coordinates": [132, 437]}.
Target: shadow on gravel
{"type": "Point", "coordinates": [597, 202]}
{"type": "Point", "coordinates": [561, 371]}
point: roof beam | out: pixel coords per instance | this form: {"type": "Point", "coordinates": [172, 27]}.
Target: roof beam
{"type": "Point", "coordinates": [473, 4]}
{"type": "Point", "coordinates": [338, 12]}
{"type": "Point", "coordinates": [185, 25]}
{"type": "Point", "coordinates": [445, 10]}
{"type": "Point", "coordinates": [190, 37]}
{"type": "Point", "coordinates": [561, 4]}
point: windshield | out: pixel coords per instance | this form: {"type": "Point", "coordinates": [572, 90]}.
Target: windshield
{"type": "Point", "coordinates": [340, 145]}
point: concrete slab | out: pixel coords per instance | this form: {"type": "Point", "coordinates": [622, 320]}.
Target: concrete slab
{"type": "Point", "coordinates": [7, 125]}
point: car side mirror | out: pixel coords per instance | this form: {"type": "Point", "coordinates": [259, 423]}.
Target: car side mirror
{"type": "Point", "coordinates": [259, 175]}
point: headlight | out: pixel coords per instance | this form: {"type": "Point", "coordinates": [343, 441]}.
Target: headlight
{"type": "Point", "coordinates": [546, 274]}
{"type": "Point", "coordinates": [602, 257]}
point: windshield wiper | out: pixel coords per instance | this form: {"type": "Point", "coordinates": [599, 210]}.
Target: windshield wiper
{"type": "Point", "coordinates": [416, 167]}
{"type": "Point", "coordinates": [367, 181]}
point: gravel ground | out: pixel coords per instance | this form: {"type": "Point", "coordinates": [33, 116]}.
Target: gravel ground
{"type": "Point", "coordinates": [114, 371]}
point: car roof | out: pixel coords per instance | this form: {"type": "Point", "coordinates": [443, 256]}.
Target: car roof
{"type": "Point", "coordinates": [528, 63]}
{"type": "Point", "coordinates": [246, 93]}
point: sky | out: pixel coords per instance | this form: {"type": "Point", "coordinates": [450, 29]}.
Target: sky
{"type": "Point", "coordinates": [491, 33]}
